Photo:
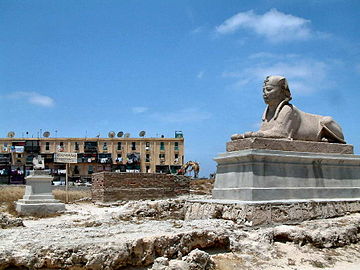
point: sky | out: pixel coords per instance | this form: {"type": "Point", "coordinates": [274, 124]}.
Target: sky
{"type": "Point", "coordinates": [85, 67]}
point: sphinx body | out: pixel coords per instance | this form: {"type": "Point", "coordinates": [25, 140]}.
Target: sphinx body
{"type": "Point", "coordinates": [283, 120]}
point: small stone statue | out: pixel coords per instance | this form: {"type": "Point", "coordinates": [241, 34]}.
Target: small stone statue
{"type": "Point", "coordinates": [38, 163]}
{"type": "Point", "coordinates": [283, 120]}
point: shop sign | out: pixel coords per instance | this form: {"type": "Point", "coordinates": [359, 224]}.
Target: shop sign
{"type": "Point", "coordinates": [65, 157]}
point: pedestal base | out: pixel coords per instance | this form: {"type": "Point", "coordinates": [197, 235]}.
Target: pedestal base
{"type": "Point", "coordinates": [38, 199]}
{"type": "Point", "coordinates": [267, 175]}
{"type": "Point", "coordinates": [39, 208]}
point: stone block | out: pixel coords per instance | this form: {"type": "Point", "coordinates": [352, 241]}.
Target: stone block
{"type": "Point", "coordinates": [289, 145]}
{"type": "Point", "coordinates": [268, 175]}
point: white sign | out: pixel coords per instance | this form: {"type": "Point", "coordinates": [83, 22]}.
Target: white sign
{"type": "Point", "coordinates": [64, 157]}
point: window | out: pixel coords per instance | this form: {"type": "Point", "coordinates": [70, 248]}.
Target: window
{"type": "Point", "coordinates": [133, 146]}
{"type": "Point", "coordinates": [162, 156]}
{"type": "Point", "coordinates": [60, 147]}
{"type": "Point", "coordinates": [19, 155]}
{"type": "Point", "coordinates": [176, 147]}
{"type": "Point", "coordinates": [162, 146]}
{"type": "Point", "coordinates": [119, 157]}
{"type": "Point", "coordinates": [90, 146]}
{"type": "Point", "coordinates": [147, 145]}
{"type": "Point", "coordinates": [176, 156]}
{"type": "Point", "coordinates": [105, 148]}
{"type": "Point", "coordinates": [76, 146]}
{"type": "Point", "coordinates": [119, 146]}
{"type": "Point", "coordinates": [90, 169]}
{"type": "Point", "coordinates": [47, 146]}
{"type": "Point", "coordinates": [147, 158]}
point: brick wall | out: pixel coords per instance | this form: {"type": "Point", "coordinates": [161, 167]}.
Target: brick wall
{"type": "Point", "coordinates": [111, 186]}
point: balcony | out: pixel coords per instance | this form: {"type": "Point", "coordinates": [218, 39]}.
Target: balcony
{"type": "Point", "coordinates": [4, 159]}
{"type": "Point", "coordinates": [90, 147]}
{"type": "Point", "coordinates": [32, 147]}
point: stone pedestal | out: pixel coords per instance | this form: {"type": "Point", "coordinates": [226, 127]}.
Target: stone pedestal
{"type": "Point", "coordinates": [38, 198]}
{"type": "Point", "coordinates": [277, 175]}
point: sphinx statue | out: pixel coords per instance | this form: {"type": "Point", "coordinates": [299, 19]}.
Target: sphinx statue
{"type": "Point", "coordinates": [283, 120]}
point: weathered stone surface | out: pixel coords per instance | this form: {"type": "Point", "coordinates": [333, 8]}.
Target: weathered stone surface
{"type": "Point", "coordinates": [158, 209]}
{"type": "Point", "coordinates": [195, 260]}
{"type": "Point", "coordinates": [63, 242]}
{"type": "Point", "coordinates": [266, 175]}
{"type": "Point", "coordinates": [100, 241]}
{"type": "Point", "coordinates": [269, 213]}
{"type": "Point", "coordinates": [111, 186]}
{"type": "Point", "coordinates": [7, 221]}
{"type": "Point", "coordinates": [289, 145]}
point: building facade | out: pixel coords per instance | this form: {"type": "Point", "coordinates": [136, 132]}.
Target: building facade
{"type": "Point", "coordinates": [161, 155]}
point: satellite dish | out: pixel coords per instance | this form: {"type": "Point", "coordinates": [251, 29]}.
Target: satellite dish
{"type": "Point", "coordinates": [127, 135]}
{"type": "Point", "coordinates": [120, 134]}
{"type": "Point", "coordinates": [142, 133]}
{"type": "Point", "coordinates": [46, 134]}
{"type": "Point", "coordinates": [111, 134]}
{"type": "Point", "coordinates": [11, 134]}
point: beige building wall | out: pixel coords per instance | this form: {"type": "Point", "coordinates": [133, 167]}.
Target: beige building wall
{"type": "Point", "coordinates": [154, 152]}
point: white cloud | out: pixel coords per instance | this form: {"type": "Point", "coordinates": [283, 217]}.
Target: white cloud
{"type": "Point", "coordinates": [138, 110]}
{"type": "Point", "coordinates": [271, 55]}
{"type": "Point", "coordinates": [197, 30]}
{"type": "Point", "coordinates": [181, 116]}
{"type": "Point", "coordinates": [305, 76]}
{"type": "Point", "coordinates": [33, 98]}
{"type": "Point", "coordinates": [274, 25]}
{"type": "Point", "coordinates": [200, 75]}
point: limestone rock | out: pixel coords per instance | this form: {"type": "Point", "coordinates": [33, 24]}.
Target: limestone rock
{"type": "Point", "coordinates": [7, 221]}
{"type": "Point", "coordinates": [199, 260]}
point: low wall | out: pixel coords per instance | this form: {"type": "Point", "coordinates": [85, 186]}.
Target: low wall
{"type": "Point", "coordinates": [111, 186]}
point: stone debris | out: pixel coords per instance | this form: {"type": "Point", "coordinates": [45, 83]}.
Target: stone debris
{"type": "Point", "coordinates": [149, 234]}
{"type": "Point", "coordinates": [159, 209]}
{"type": "Point", "coordinates": [195, 260]}
{"type": "Point", "coordinates": [7, 221]}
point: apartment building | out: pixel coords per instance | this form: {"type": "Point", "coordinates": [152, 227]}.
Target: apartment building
{"type": "Point", "coordinates": [161, 155]}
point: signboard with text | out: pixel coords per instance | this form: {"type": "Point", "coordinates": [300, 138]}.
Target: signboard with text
{"type": "Point", "coordinates": [64, 157]}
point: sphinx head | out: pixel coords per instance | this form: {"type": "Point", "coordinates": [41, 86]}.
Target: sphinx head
{"type": "Point", "coordinates": [275, 90]}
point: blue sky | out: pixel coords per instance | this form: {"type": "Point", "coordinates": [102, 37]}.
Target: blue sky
{"type": "Point", "coordinates": [89, 67]}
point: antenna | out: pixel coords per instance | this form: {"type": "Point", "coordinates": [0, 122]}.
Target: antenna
{"type": "Point", "coordinates": [11, 134]}
{"type": "Point", "coordinates": [111, 134]}
{"type": "Point", "coordinates": [127, 135]}
{"type": "Point", "coordinates": [120, 134]}
{"type": "Point", "coordinates": [46, 134]}
{"type": "Point", "coordinates": [142, 133]}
